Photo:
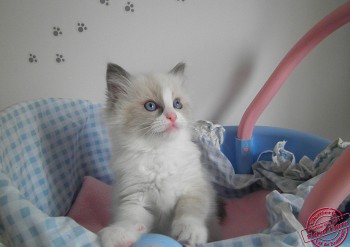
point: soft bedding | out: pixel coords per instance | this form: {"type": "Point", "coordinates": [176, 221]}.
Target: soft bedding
{"type": "Point", "coordinates": [48, 146]}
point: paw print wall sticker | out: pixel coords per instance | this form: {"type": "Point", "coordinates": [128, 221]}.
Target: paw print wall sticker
{"type": "Point", "coordinates": [129, 7]}
{"type": "Point", "coordinates": [59, 58]}
{"type": "Point", "coordinates": [104, 2]}
{"type": "Point", "coordinates": [57, 31]}
{"type": "Point", "coordinates": [81, 27]}
{"type": "Point", "coordinates": [32, 58]}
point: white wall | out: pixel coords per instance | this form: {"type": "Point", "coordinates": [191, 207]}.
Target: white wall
{"type": "Point", "coordinates": [230, 46]}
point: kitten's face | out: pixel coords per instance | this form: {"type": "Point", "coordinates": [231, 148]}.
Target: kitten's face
{"type": "Point", "coordinates": [149, 106]}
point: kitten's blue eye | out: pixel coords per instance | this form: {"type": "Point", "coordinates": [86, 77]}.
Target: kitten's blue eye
{"type": "Point", "coordinates": [177, 104]}
{"type": "Point", "coordinates": [151, 106]}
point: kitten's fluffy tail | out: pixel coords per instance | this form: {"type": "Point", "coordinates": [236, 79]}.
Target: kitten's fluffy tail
{"type": "Point", "coordinates": [221, 212]}
{"type": "Point", "coordinates": [214, 223]}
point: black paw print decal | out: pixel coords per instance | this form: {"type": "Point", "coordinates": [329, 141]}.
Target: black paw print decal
{"type": "Point", "coordinates": [129, 7]}
{"type": "Point", "coordinates": [105, 2]}
{"type": "Point", "coordinates": [57, 31]}
{"type": "Point", "coordinates": [82, 27]}
{"type": "Point", "coordinates": [32, 58]}
{"type": "Point", "coordinates": [59, 58]}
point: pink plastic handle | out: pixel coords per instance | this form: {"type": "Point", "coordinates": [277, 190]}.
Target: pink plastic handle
{"type": "Point", "coordinates": [331, 190]}
{"type": "Point", "coordinates": [325, 27]}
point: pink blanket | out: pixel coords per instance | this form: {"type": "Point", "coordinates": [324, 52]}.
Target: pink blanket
{"type": "Point", "coordinates": [92, 209]}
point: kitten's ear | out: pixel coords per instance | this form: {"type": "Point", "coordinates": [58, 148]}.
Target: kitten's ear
{"type": "Point", "coordinates": [115, 71]}
{"type": "Point", "coordinates": [117, 81]}
{"type": "Point", "coordinates": [179, 69]}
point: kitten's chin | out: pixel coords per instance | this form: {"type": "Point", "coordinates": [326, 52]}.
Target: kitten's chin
{"type": "Point", "coordinates": [172, 131]}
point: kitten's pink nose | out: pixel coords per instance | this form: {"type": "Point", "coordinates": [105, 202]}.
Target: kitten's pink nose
{"type": "Point", "coordinates": [172, 117]}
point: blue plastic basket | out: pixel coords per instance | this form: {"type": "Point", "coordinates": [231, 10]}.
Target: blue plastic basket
{"type": "Point", "coordinates": [265, 138]}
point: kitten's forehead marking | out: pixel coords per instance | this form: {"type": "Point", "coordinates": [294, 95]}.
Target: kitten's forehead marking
{"type": "Point", "coordinates": [167, 98]}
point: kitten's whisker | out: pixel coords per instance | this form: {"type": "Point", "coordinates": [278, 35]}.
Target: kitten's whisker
{"type": "Point", "coordinates": [145, 128]}
{"type": "Point", "coordinates": [148, 130]}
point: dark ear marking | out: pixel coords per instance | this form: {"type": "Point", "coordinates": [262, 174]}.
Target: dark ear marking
{"type": "Point", "coordinates": [117, 81]}
{"type": "Point", "coordinates": [179, 69]}
{"type": "Point", "coordinates": [114, 71]}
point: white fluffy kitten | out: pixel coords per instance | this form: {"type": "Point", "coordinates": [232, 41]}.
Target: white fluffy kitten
{"type": "Point", "coordinates": [160, 184]}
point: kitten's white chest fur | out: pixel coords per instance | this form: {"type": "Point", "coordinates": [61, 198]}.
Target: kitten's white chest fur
{"type": "Point", "coordinates": [163, 173]}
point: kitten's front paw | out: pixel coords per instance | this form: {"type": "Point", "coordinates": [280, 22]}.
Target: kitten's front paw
{"type": "Point", "coordinates": [189, 231]}
{"type": "Point", "coordinates": [116, 236]}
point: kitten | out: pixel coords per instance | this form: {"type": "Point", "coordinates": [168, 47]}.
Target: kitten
{"type": "Point", "coordinates": [160, 184]}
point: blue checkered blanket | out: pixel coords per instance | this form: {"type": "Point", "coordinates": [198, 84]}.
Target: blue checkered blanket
{"type": "Point", "coordinates": [47, 147]}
